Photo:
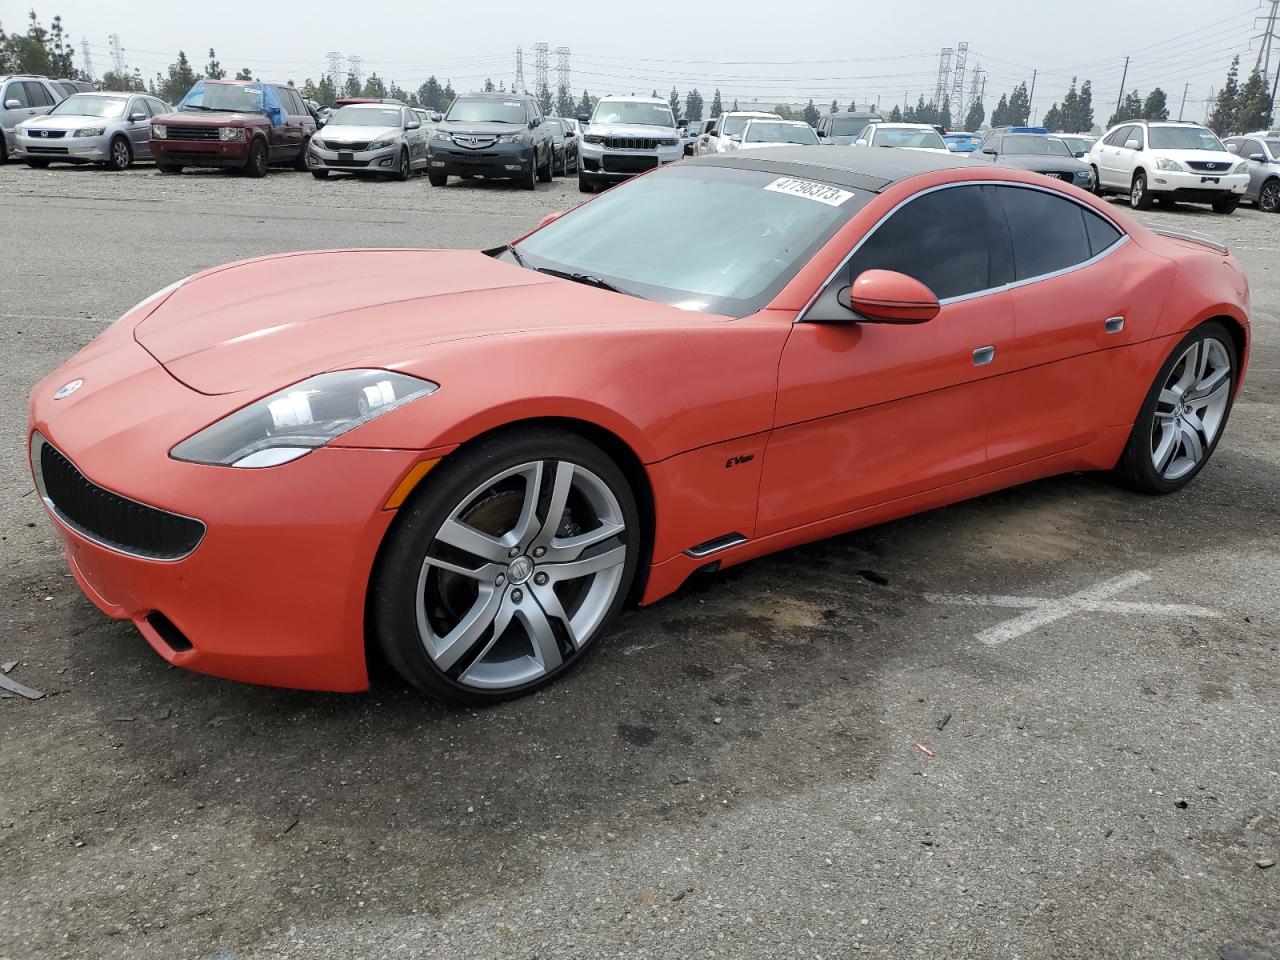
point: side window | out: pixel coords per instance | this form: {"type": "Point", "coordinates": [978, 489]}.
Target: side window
{"type": "Point", "coordinates": [1101, 233]}
{"type": "Point", "coordinates": [17, 91]}
{"type": "Point", "coordinates": [921, 241]}
{"type": "Point", "coordinates": [39, 94]}
{"type": "Point", "coordinates": [299, 108]}
{"type": "Point", "coordinates": [1116, 137]}
{"type": "Point", "coordinates": [1047, 231]}
{"type": "Point", "coordinates": [1251, 147]}
{"type": "Point", "coordinates": [1137, 133]}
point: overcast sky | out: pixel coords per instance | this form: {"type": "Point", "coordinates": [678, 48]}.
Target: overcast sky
{"type": "Point", "coordinates": [791, 50]}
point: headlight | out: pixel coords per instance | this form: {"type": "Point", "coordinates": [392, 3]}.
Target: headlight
{"type": "Point", "coordinates": [669, 142]}
{"type": "Point", "coordinates": [318, 143]}
{"type": "Point", "coordinates": [159, 131]}
{"type": "Point", "coordinates": [384, 142]}
{"type": "Point", "coordinates": [511, 138]}
{"type": "Point", "coordinates": [593, 138]}
{"type": "Point", "coordinates": [1163, 164]}
{"type": "Point", "coordinates": [20, 129]}
{"type": "Point", "coordinates": [296, 420]}
{"type": "Point", "coordinates": [441, 135]}
{"type": "Point", "coordinates": [231, 134]}
{"type": "Point", "coordinates": [1241, 167]}
{"type": "Point", "coordinates": [90, 132]}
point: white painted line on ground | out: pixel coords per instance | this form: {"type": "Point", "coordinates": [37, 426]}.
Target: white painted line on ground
{"type": "Point", "coordinates": [1042, 611]}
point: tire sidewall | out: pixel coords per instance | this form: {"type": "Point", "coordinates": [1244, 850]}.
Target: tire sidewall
{"type": "Point", "coordinates": [1136, 463]}
{"type": "Point", "coordinates": [393, 585]}
{"type": "Point", "coordinates": [111, 163]}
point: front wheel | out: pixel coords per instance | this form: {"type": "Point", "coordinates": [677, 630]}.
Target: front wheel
{"type": "Point", "coordinates": [37, 164]}
{"type": "Point", "coordinates": [529, 180]}
{"type": "Point", "coordinates": [320, 174]}
{"type": "Point", "coordinates": [1185, 411]}
{"type": "Point", "coordinates": [403, 169]}
{"type": "Point", "coordinates": [120, 155]}
{"type": "Point", "coordinates": [257, 165]}
{"type": "Point", "coordinates": [437, 179]}
{"type": "Point", "coordinates": [585, 185]}
{"type": "Point", "coordinates": [168, 167]}
{"type": "Point", "coordinates": [1139, 196]}
{"type": "Point", "coordinates": [1226, 204]}
{"type": "Point", "coordinates": [506, 566]}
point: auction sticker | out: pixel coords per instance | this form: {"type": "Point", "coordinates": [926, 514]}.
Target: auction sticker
{"type": "Point", "coordinates": [810, 190]}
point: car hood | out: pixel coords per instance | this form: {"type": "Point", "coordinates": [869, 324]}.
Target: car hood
{"type": "Point", "coordinates": [631, 130]}
{"type": "Point", "coordinates": [1043, 163]}
{"type": "Point", "coordinates": [349, 132]}
{"type": "Point", "coordinates": [215, 118]}
{"type": "Point", "coordinates": [68, 121]}
{"type": "Point", "coordinates": [262, 324]}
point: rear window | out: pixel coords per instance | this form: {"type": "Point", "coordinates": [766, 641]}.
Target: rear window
{"type": "Point", "coordinates": [1048, 232]}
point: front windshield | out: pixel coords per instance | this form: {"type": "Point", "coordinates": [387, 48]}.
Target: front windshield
{"type": "Point", "coordinates": [487, 111]}
{"type": "Point", "coordinates": [84, 105]}
{"type": "Point", "coordinates": [704, 238]}
{"type": "Point", "coordinates": [625, 111]}
{"type": "Point", "coordinates": [1078, 144]}
{"type": "Point", "coordinates": [1274, 147]}
{"type": "Point", "coordinates": [556, 126]}
{"type": "Point", "coordinates": [1183, 138]}
{"type": "Point", "coordinates": [847, 126]}
{"type": "Point", "coordinates": [773, 131]}
{"type": "Point", "coordinates": [232, 97]}
{"type": "Point", "coordinates": [909, 137]}
{"type": "Point", "coordinates": [366, 117]}
{"type": "Point", "coordinates": [1029, 144]}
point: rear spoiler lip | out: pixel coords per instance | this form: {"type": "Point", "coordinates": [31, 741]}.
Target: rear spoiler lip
{"type": "Point", "coordinates": [1204, 240]}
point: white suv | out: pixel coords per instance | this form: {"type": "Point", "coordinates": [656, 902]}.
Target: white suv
{"type": "Point", "coordinates": [726, 127]}
{"type": "Point", "coordinates": [1170, 161]}
{"type": "Point", "coordinates": [625, 136]}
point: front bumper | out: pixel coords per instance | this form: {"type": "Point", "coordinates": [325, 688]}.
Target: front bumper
{"type": "Point", "coordinates": [68, 148]}
{"type": "Point", "coordinates": [495, 161]}
{"type": "Point", "coordinates": [274, 592]}
{"type": "Point", "coordinates": [600, 163]}
{"type": "Point", "coordinates": [200, 153]}
{"type": "Point", "coordinates": [382, 160]}
{"type": "Point", "coordinates": [1194, 186]}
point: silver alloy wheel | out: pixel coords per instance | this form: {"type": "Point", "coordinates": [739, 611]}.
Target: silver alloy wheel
{"type": "Point", "coordinates": [1190, 408]}
{"type": "Point", "coordinates": [1269, 199]}
{"type": "Point", "coordinates": [120, 154]}
{"type": "Point", "coordinates": [521, 574]}
{"type": "Point", "coordinates": [1136, 191]}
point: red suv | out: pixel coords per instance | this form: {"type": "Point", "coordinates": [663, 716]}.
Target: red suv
{"type": "Point", "coordinates": [243, 124]}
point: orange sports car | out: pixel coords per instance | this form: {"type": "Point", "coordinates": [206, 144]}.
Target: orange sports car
{"type": "Point", "coordinates": [469, 461]}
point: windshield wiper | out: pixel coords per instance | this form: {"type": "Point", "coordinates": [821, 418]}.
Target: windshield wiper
{"type": "Point", "coordinates": [583, 278]}
{"type": "Point", "coordinates": [515, 254]}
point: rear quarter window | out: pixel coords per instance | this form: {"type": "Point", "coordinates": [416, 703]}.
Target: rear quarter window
{"type": "Point", "coordinates": [1050, 233]}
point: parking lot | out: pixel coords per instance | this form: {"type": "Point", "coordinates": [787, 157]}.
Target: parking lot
{"type": "Point", "coordinates": [1039, 724]}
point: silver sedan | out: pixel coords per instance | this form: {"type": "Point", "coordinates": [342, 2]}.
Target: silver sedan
{"type": "Point", "coordinates": [109, 129]}
{"type": "Point", "coordinates": [369, 138]}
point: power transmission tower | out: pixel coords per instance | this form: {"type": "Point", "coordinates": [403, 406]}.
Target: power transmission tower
{"type": "Point", "coordinates": [117, 55]}
{"type": "Point", "coordinates": [562, 68]}
{"type": "Point", "coordinates": [335, 66]}
{"type": "Point", "coordinates": [944, 76]}
{"type": "Point", "coordinates": [541, 67]}
{"type": "Point", "coordinates": [518, 86]}
{"type": "Point", "coordinates": [1264, 49]}
{"type": "Point", "coordinates": [355, 67]}
{"type": "Point", "coordinates": [957, 86]}
{"type": "Point", "coordinates": [975, 94]}
{"type": "Point", "coordinates": [88, 60]}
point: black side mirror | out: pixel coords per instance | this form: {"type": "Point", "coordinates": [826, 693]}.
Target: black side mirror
{"type": "Point", "coordinates": [584, 118]}
{"type": "Point", "coordinates": [1257, 158]}
{"type": "Point", "coordinates": [535, 122]}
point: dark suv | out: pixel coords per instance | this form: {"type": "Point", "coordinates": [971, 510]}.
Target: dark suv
{"type": "Point", "coordinates": [846, 126]}
{"type": "Point", "coordinates": [243, 124]}
{"type": "Point", "coordinates": [498, 136]}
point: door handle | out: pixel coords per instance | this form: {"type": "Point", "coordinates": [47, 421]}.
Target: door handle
{"type": "Point", "coordinates": [983, 355]}
{"type": "Point", "coordinates": [1115, 324]}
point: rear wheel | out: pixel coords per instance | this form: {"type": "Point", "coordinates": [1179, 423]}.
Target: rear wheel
{"type": "Point", "coordinates": [300, 162]}
{"type": "Point", "coordinates": [120, 155]}
{"type": "Point", "coordinates": [1226, 204]}
{"type": "Point", "coordinates": [1097, 183]}
{"type": "Point", "coordinates": [258, 160]}
{"type": "Point", "coordinates": [1184, 414]}
{"type": "Point", "coordinates": [1139, 196]}
{"type": "Point", "coordinates": [506, 567]}
{"type": "Point", "coordinates": [547, 173]}
{"type": "Point", "coordinates": [1269, 197]}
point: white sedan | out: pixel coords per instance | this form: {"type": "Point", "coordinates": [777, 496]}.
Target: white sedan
{"type": "Point", "coordinates": [905, 136]}
{"type": "Point", "coordinates": [772, 133]}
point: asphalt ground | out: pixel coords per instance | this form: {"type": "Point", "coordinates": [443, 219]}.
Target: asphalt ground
{"type": "Point", "coordinates": [851, 749]}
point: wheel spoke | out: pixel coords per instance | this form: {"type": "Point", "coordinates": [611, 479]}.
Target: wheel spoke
{"type": "Point", "coordinates": [528, 520]}
{"type": "Point", "coordinates": [463, 637]}
{"type": "Point", "coordinates": [485, 572]}
{"type": "Point", "coordinates": [570, 548]}
{"type": "Point", "coordinates": [576, 569]}
{"type": "Point", "coordinates": [1210, 388]}
{"type": "Point", "coordinates": [546, 649]}
{"type": "Point", "coordinates": [561, 486]}
{"type": "Point", "coordinates": [1166, 448]}
{"type": "Point", "coordinates": [467, 538]}
{"type": "Point", "coordinates": [550, 603]}
{"type": "Point", "coordinates": [1190, 370]}
{"type": "Point", "coordinates": [1191, 443]}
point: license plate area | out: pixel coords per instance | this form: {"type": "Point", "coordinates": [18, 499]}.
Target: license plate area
{"type": "Point", "coordinates": [346, 157]}
{"type": "Point", "coordinates": [1210, 179]}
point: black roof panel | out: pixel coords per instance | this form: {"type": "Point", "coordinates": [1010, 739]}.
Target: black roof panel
{"type": "Point", "coordinates": [865, 168]}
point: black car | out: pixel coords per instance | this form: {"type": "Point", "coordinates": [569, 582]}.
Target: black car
{"type": "Point", "coordinates": [1039, 153]}
{"type": "Point", "coordinates": [565, 141]}
{"type": "Point", "coordinates": [498, 136]}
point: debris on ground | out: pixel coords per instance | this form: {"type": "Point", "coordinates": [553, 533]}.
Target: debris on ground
{"type": "Point", "coordinates": [8, 665]}
{"type": "Point", "coordinates": [923, 749]}
{"type": "Point", "coordinates": [1266, 863]}
{"type": "Point", "coordinates": [879, 579]}
{"type": "Point", "coordinates": [944, 721]}
{"type": "Point", "coordinates": [1181, 804]}
{"type": "Point", "coordinates": [13, 686]}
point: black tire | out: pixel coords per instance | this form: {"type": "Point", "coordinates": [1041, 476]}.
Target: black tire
{"type": "Point", "coordinates": [564, 163]}
{"type": "Point", "coordinates": [320, 174]}
{"type": "Point", "coordinates": [168, 167]}
{"type": "Point", "coordinates": [547, 174]}
{"type": "Point", "coordinates": [437, 179]}
{"type": "Point", "coordinates": [1139, 196]}
{"type": "Point", "coordinates": [1226, 204]}
{"type": "Point", "coordinates": [1097, 183]}
{"type": "Point", "coordinates": [1269, 196]}
{"type": "Point", "coordinates": [259, 160]}
{"type": "Point", "coordinates": [300, 161]}
{"type": "Point", "coordinates": [585, 185]}
{"type": "Point", "coordinates": [1135, 469]}
{"type": "Point", "coordinates": [404, 169]}
{"type": "Point", "coordinates": [467, 176]}
{"type": "Point", "coordinates": [394, 586]}
{"type": "Point", "coordinates": [529, 180]}
{"type": "Point", "coordinates": [119, 155]}
{"type": "Point", "coordinates": [4, 150]}
{"type": "Point", "coordinates": [37, 164]}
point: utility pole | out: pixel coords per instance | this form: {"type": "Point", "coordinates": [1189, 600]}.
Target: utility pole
{"type": "Point", "coordinates": [1123, 77]}
{"type": "Point", "coordinates": [944, 76]}
{"type": "Point", "coordinates": [1031, 97]}
{"type": "Point", "coordinates": [117, 55]}
{"type": "Point", "coordinates": [1185, 88]}
{"type": "Point", "coordinates": [1264, 49]}
{"type": "Point", "coordinates": [518, 86]}
{"type": "Point", "coordinates": [957, 82]}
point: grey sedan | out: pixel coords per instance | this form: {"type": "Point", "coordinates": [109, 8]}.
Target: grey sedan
{"type": "Point", "coordinates": [369, 138]}
{"type": "Point", "coordinates": [1263, 155]}
{"type": "Point", "coordinates": [109, 129]}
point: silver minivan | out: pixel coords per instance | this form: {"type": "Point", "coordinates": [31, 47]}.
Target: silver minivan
{"type": "Point", "coordinates": [21, 98]}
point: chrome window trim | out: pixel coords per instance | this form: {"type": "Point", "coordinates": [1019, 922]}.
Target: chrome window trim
{"type": "Point", "coordinates": [37, 442]}
{"type": "Point", "coordinates": [1124, 238]}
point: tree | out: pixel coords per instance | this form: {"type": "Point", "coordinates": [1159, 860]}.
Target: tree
{"type": "Point", "coordinates": [545, 101]}
{"type": "Point", "coordinates": [1082, 122]}
{"type": "Point", "coordinates": [244, 73]}
{"type": "Point", "coordinates": [586, 105]}
{"type": "Point", "coordinates": [944, 115]}
{"type": "Point", "coordinates": [1019, 106]}
{"type": "Point", "coordinates": [326, 90]}
{"type": "Point", "coordinates": [674, 100]}
{"type": "Point", "coordinates": [122, 82]}
{"type": "Point", "coordinates": [431, 95]}
{"type": "Point", "coordinates": [564, 101]}
{"type": "Point", "coordinates": [783, 110]}
{"type": "Point", "coordinates": [1253, 107]}
{"type": "Point", "coordinates": [735, 106]}
{"type": "Point", "coordinates": [1053, 119]}
{"type": "Point", "coordinates": [811, 114]}
{"type": "Point", "coordinates": [895, 115]}
{"type": "Point", "coordinates": [1223, 120]}
{"type": "Point", "coordinates": [1156, 106]}
{"type": "Point", "coordinates": [693, 105]}
{"type": "Point", "coordinates": [488, 86]}
{"type": "Point", "coordinates": [374, 87]}
{"type": "Point", "coordinates": [38, 51]}
{"type": "Point", "coordinates": [835, 106]}
{"type": "Point", "coordinates": [977, 114]}
{"type": "Point", "coordinates": [449, 94]}
{"type": "Point", "coordinates": [1130, 109]}
{"type": "Point", "coordinates": [181, 78]}
{"type": "Point", "coordinates": [213, 69]}
{"type": "Point", "coordinates": [1000, 115]}
{"type": "Point", "coordinates": [717, 107]}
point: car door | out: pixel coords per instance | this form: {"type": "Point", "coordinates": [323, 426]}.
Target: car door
{"type": "Point", "coordinates": [413, 137]}
{"type": "Point", "coordinates": [1109, 157]}
{"type": "Point", "coordinates": [872, 412]}
{"type": "Point", "coordinates": [16, 107]}
{"type": "Point", "coordinates": [1129, 157]}
{"type": "Point", "coordinates": [139, 131]}
{"type": "Point", "coordinates": [1259, 170]}
{"type": "Point", "coordinates": [1085, 300]}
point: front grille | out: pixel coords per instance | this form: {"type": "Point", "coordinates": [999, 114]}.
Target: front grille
{"type": "Point", "coordinates": [630, 143]}
{"type": "Point", "coordinates": [469, 142]}
{"type": "Point", "coordinates": [1058, 175]}
{"type": "Point", "coordinates": [1209, 166]}
{"type": "Point", "coordinates": [623, 163]}
{"type": "Point", "coordinates": [108, 518]}
{"type": "Point", "coordinates": [47, 134]}
{"type": "Point", "coordinates": [347, 163]}
{"type": "Point", "coordinates": [192, 133]}
{"type": "Point", "coordinates": [63, 151]}
{"type": "Point", "coordinates": [345, 147]}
